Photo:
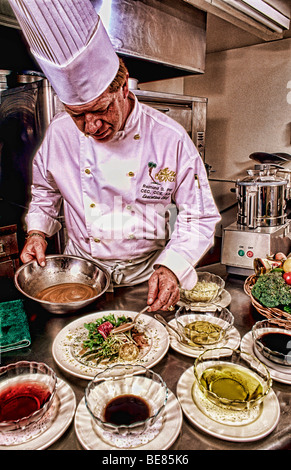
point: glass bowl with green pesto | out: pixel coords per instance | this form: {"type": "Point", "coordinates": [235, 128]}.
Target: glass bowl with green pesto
{"type": "Point", "coordinates": [232, 379]}
{"type": "Point", "coordinates": [207, 289]}
{"type": "Point", "coordinates": [204, 329]}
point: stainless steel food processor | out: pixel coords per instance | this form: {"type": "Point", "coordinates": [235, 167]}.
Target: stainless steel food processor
{"type": "Point", "coordinates": [262, 227]}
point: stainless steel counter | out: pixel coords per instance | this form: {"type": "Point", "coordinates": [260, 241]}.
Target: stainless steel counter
{"type": "Point", "coordinates": [44, 327]}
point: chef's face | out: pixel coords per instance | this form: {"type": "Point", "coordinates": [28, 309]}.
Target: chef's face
{"type": "Point", "coordinates": [103, 117]}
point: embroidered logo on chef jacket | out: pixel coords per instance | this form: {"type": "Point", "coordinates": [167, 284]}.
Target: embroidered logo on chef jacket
{"type": "Point", "coordinates": [151, 166]}
{"type": "Point", "coordinates": [160, 187]}
{"type": "Point", "coordinates": [165, 175]}
{"type": "Point", "coordinates": [162, 175]}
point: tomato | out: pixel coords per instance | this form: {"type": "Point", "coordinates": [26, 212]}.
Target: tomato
{"type": "Point", "coordinates": [287, 265]}
{"type": "Point", "coordinates": [287, 278]}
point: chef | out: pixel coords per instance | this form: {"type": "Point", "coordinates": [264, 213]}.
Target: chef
{"type": "Point", "coordinates": [134, 190]}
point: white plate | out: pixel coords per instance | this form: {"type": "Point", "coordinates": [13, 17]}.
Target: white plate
{"type": "Point", "coordinates": [65, 403]}
{"type": "Point", "coordinates": [232, 340]}
{"type": "Point", "coordinates": [222, 301]}
{"type": "Point", "coordinates": [276, 371]}
{"type": "Point", "coordinates": [63, 356]}
{"type": "Point", "coordinates": [90, 439]}
{"type": "Point", "coordinates": [261, 427]}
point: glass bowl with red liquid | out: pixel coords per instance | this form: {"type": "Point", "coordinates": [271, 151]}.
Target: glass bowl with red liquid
{"type": "Point", "coordinates": [126, 399]}
{"type": "Point", "coordinates": [27, 390]}
{"type": "Point", "coordinates": [272, 339]}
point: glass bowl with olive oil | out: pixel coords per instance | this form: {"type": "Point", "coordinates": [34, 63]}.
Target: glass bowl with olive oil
{"type": "Point", "coordinates": [232, 379]}
{"type": "Point", "coordinates": [272, 339]}
{"type": "Point", "coordinates": [204, 329]}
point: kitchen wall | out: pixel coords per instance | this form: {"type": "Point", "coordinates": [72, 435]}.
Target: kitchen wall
{"type": "Point", "coordinates": [249, 109]}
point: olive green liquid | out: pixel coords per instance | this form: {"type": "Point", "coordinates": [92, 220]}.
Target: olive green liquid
{"type": "Point", "coordinates": [232, 382]}
{"type": "Point", "coordinates": [203, 332]}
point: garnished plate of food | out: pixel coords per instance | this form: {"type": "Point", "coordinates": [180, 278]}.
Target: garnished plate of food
{"type": "Point", "coordinates": [104, 344]}
{"type": "Point", "coordinates": [93, 342]}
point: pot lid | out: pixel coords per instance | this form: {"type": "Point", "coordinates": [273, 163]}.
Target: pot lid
{"type": "Point", "coordinates": [262, 175]}
{"type": "Point", "coordinates": [264, 157]}
{"type": "Point", "coordinates": [256, 182]}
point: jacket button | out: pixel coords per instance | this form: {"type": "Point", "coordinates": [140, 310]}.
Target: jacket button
{"type": "Point", "coordinates": [87, 171]}
{"type": "Point", "coordinates": [131, 174]}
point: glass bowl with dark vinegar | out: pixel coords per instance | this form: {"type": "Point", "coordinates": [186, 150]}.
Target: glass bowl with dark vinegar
{"type": "Point", "coordinates": [272, 340]}
{"type": "Point", "coordinates": [126, 399]}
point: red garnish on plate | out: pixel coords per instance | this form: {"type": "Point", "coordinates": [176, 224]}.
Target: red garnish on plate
{"type": "Point", "coordinates": [105, 329]}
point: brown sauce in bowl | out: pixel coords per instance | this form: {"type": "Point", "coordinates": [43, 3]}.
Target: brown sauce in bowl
{"type": "Point", "coordinates": [126, 410]}
{"type": "Point", "coordinates": [67, 292]}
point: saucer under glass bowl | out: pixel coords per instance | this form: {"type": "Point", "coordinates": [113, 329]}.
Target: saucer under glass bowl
{"type": "Point", "coordinates": [27, 390]}
{"type": "Point", "coordinates": [272, 340]}
{"type": "Point", "coordinates": [208, 288]}
{"type": "Point", "coordinates": [233, 384]}
{"type": "Point", "coordinates": [127, 401]}
{"type": "Point", "coordinates": [204, 329]}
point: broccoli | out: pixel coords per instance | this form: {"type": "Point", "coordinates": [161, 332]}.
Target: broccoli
{"type": "Point", "coordinates": [271, 290]}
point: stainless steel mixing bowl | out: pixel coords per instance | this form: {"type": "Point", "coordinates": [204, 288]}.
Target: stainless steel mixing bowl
{"type": "Point", "coordinates": [31, 278]}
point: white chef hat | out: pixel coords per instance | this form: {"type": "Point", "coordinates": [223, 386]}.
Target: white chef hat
{"type": "Point", "coordinates": [71, 45]}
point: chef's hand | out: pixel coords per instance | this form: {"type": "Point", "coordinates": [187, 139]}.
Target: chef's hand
{"type": "Point", "coordinates": [34, 248]}
{"type": "Point", "coordinates": [163, 289]}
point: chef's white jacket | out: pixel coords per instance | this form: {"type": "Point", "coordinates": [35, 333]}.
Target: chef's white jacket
{"type": "Point", "coordinates": [118, 196]}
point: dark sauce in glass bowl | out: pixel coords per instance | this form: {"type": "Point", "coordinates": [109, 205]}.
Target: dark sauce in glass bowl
{"type": "Point", "coordinates": [277, 346]}
{"type": "Point", "coordinates": [126, 410]}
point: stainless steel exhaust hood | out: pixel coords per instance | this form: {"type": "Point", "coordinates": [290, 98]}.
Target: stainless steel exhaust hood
{"type": "Point", "coordinates": [157, 38]}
